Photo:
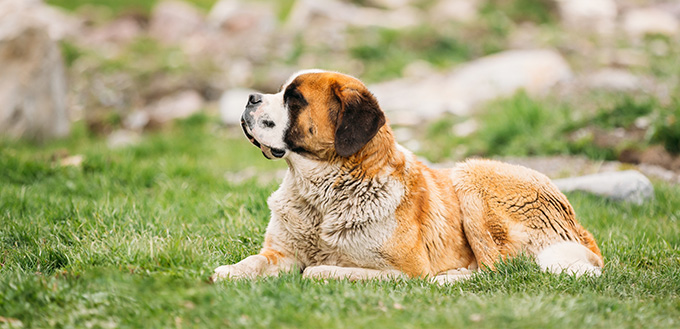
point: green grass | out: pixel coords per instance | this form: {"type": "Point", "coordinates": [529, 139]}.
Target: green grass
{"type": "Point", "coordinates": [129, 241]}
{"type": "Point", "coordinates": [386, 52]}
{"type": "Point", "coordinates": [522, 125]}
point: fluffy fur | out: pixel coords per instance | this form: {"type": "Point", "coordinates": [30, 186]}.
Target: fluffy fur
{"type": "Point", "coordinates": [354, 204]}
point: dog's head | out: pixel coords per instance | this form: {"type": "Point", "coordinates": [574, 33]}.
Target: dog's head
{"type": "Point", "coordinates": [316, 114]}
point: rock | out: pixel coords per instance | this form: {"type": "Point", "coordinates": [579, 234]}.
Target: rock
{"type": "Point", "coordinates": [32, 78]}
{"type": "Point", "coordinates": [390, 4]}
{"type": "Point", "coordinates": [660, 173]}
{"type": "Point", "coordinates": [306, 15]}
{"type": "Point", "coordinates": [613, 79]}
{"type": "Point", "coordinates": [671, 7]}
{"type": "Point", "coordinates": [455, 10]}
{"type": "Point", "coordinates": [559, 166]}
{"type": "Point", "coordinates": [403, 134]}
{"type": "Point", "coordinates": [410, 101]}
{"type": "Point", "coordinates": [484, 79]}
{"type": "Point", "coordinates": [630, 57]}
{"type": "Point", "coordinates": [589, 15]}
{"type": "Point", "coordinates": [629, 186]}
{"type": "Point", "coordinates": [240, 73]}
{"type": "Point", "coordinates": [60, 25]}
{"type": "Point", "coordinates": [176, 106]}
{"type": "Point", "coordinates": [658, 156]}
{"type": "Point", "coordinates": [399, 18]}
{"type": "Point", "coordinates": [72, 161]}
{"type": "Point", "coordinates": [237, 29]}
{"type": "Point", "coordinates": [122, 138]}
{"type": "Point", "coordinates": [648, 21]}
{"type": "Point", "coordinates": [419, 69]}
{"type": "Point", "coordinates": [120, 31]}
{"type": "Point", "coordinates": [643, 122]}
{"type": "Point", "coordinates": [466, 128]}
{"type": "Point", "coordinates": [136, 120]}
{"type": "Point", "coordinates": [232, 104]}
{"type": "Point", "coordinates": [172, 21]}
{"type": "Point", "coordinates": [235, 16]}
{"type": "Point", "coordinates": [505, 73]}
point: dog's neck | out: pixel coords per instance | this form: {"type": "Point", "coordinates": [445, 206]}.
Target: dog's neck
{"type": "Point", "coordinates": [376, 163]}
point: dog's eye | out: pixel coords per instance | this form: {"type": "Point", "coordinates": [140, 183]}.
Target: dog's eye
{"type": "Point", "coordinates": [295, 96]}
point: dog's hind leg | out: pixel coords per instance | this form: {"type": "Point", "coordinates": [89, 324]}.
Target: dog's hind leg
{"type": "Point", "coordinates": [481, 232]}
{"type": "Point", "coordinates": [569, 257]}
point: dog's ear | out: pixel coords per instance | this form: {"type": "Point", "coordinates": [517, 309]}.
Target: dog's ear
{"type": "Point", "coordinates": [359, 118]}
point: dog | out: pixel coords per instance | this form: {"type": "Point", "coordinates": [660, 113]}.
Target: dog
{"type": "Point", "coordinates": [356, 205]}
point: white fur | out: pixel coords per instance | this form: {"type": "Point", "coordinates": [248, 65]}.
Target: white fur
{"type": "Point", "coordinates": [452, 276]}
{"type": "Point", "coordinates": [353, 221]}
{"type": "Point", "coordinates": [350, 273]}
{"type": "Point", "coordinates": [299, 73]}
{"type": "Point", "coordinates": [570, 257]}
{"type": "Point", "coordinates": [271, 109]}
{"type": "Point", "coordinates": [251, 267]}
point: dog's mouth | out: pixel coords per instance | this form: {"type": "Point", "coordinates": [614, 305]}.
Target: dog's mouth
{"type": "Point", "coordinates": [267, 151]}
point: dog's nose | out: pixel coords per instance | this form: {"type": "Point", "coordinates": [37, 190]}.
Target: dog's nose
{"type": "Point", "coordinates": [254, 99]}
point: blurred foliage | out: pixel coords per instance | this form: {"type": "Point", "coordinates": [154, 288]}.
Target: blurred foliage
{"type": "Point", "coordinates": [523, 126]}
{"type": "Point", "coordinates": [70, 52]}
{"type": "Point", "coordinates": [667, 128]}
{"type": "Point", "coordinates": [385, 52]}
{"type": "Point", "coordinates": [118, 6]}
{"type": "Point", "coordinates": [625, 111]}
{"type": "Point", "coordinates": [520, 11]}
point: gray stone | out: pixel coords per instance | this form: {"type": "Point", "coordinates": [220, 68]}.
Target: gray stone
{"type": "Point", "coordinates": [465, 128]}
{"type": "Point", "coordinates": [629, 186]}
{"type": "Point", "coordinates": [613, 79]}
{"type": "Point", "coordinates": [136, 120]}
{"type": "Point", "coordinates": [455, 10]}
{"type": "Point", "coordinates": [505, 73]}
{"type": "Point", "coordinates": [306, 13]}
{"type": "Point", "coordinates": [237, 29]}
{"type": "Point", "coordinates": [120, 31]}
{"type": "Point", "coordinates": [176, 106]}
{"type": "Point", "coordinates": [122, 138]}
{"type": "Point", "coordinates": [390, 4]}
{"type": "Point", "coordinates": [172, 21]}
{"type": "Point", "coordinates": [464, 88]}
{"type": "Point", "coordinates": [60, 25]}
{"type": "Point", "coordinates": [589, 15]}
{"type": "Point", "coordinates": [32, 78]}
{"type": "Point", "coordinates": [643, 21]}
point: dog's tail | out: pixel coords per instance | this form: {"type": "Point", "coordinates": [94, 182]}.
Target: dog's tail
{"type": "Point", "coordinates": [570, 257]}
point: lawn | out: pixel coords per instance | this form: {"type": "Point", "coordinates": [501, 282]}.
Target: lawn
{"type": "Point", "coordinates": [129, 239]}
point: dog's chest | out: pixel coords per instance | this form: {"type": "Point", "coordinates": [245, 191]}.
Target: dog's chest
{"type": "Point", "coordinates": [331, 222]}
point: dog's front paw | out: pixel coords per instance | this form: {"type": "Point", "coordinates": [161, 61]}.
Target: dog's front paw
{"type": "Point", "coordinates": [452, 276]}
{"type": "Point", "coordinates": [348, 273]}
{"type": "Point", "coordinates": [322, 272]}
{"type": "Point", "coordinates": [232, 272]}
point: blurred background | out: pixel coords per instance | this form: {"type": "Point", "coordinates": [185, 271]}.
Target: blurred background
{"type": "Point", "coordinates": [571, 85]}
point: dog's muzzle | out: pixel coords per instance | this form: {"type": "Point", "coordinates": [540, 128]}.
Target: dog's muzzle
{"type": "Point", "coordinates": [248, 121]}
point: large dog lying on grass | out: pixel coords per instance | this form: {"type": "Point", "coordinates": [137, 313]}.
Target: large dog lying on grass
{"type": "Point", "coordinates": [355, 204]}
